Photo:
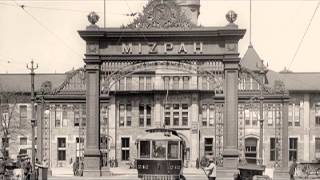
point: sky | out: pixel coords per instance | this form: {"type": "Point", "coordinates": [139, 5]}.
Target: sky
{"type": "Point", "coordinates": [46, 30]}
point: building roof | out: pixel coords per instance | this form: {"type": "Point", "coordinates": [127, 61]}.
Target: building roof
{"type": "Point", "coordinates": [294, 81]}
{"type": "Point", "coordinates": [301, 81]}
{"type": "Point", "coordinates": [251, 59]}
{"type": "Point", "coordinates": [22, 82]}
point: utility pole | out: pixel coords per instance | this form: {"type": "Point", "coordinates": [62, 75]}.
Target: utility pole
{"type": "Point", "coordinates": [32, 68]}
{"type": "Point", "coordinates": [262, 71]}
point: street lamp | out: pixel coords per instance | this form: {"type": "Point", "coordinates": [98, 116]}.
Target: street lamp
{"type": "Point", "coordinates": [32, 68]}
{"type": "Point", "coordinates": [262, 70]}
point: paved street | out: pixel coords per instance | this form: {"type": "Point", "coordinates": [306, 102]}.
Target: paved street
{"type": "Point", "coordinates": [134, 177]}
{"type": "Point", "coordinates": [124, 177]}
{"type": "Point", "coordinates": [131, 174]}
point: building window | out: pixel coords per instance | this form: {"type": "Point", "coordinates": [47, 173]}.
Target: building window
{"type": "Point", "coordinates": [61, 149]}
{"type": "Point", "coordinates": [210, 113]}
{"type": "Point", "coordinates": [83, 115]}
{"type": "Point", "coordinates": [64, 116]}
{"type": "Point", "coordinates": [255, 116]}
{"type": "Point", "coordinates": [251, 150]}
{"type": "Point", "coordinates": [23, 151]}
{"type": "Point", "coordinates": [295, 114]}
{"type": "Point", "coordinates": [274, 154]}
{"type": "Point", "coordinates": [317, 145]}
{"type": "Point", "coordinates": [293, 148]}
{"type": "Point", "coordinates": [121, 84]}
{"type": "Point", "coordinates": [166, 80]}
{"type": "Point", "coordinates": [317, 148]}
{"type": "Point", "coordinates": [204, 115]}
{"type": "Point", "coordinates": [186, 82]}
{"type": "Point", "coordinates": [141, 83]}
{"type": "Point", "coordinates": [125, 115]}
{"type": "Point", "coordinates": [278, 115]}
{"type": "Point", "coordinates": [247, 83]}
{"type": "Point", "coordinates": [125, 149]}
{"type": "Point", "coordinates": [185, 114]}
{"type": "Point", "coordinates": [23, 141]}
{"type": "Point", "coordinates": [128, 83]}
{"type": "Point", "coordinates": [79, 147]}
{"type": "Point", "coordinates": [175, 84]}
{"type": "Point", "coordinates": [247, 115]}
{"type": "Point", "coordinates": [208, 146]}
{"type": "Point", "coordinates": [270, 115]}
{"type": "Point", "coordinates": [58, 116]}
{"type": "Point", "coordinates": [204, 83]}
{"type": "Point", "coordinates": [129, 114]}
{"type": "Point", "coordinates": [167, 115]}
{"type": "Point", "coordinates": [176, 115]}
{"type": "Point", "coordinates": [23, 114]}
{"type": "Point", "coordinates": [148, 83]}
{"type": "Point", "coordinates": [144, 115]}
{"type": "Point", "coordinates": [317, 114]}
{"type": "Point", "coordinates": [76, 121]}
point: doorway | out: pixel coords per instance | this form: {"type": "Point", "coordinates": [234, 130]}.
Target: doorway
{"type": "Point", "coordinates": [251, 150]}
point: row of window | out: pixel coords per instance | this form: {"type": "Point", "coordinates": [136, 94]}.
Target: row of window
{"type": "Point", "coordinates": [248, 83]}
{"type": "Point", "coordinates": [176, 115]}
{"type": "Point", "coordinates": [211, 114]}
{"type": "Point", "coordinates": [248, 113]}
{"type": "Point", "coordinates": [170, 82]}
{"type": "Point", "coordinates": [251, 148]}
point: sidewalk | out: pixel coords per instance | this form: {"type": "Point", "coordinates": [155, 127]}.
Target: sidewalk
{"type": "Point", "coordinates": [120, 171]}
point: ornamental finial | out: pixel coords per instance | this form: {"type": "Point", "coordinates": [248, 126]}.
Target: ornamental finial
{"type": "Point", "coordinates": [93, 18]}
{"type": "Point", "coordinates": [231, 16]}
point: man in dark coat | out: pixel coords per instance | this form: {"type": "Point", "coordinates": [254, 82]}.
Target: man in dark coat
{"type": "Point", "coordinates": [75, 167]}
{"type": "Point", "coordinates": [2, 168]}
{"type": "Point", "coordinates": [292, 169]}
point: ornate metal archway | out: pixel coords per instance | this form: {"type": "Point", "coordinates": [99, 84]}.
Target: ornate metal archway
{"type": "Point", "coordinates": [214, 71]}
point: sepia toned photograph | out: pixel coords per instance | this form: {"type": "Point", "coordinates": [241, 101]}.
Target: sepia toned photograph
{"type": "Point", "coordinates": [159, 90]}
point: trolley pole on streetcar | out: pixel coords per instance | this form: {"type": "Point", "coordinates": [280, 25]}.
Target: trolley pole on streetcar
{"type": "Point", "coordinates": [32, 68]}
{"type": "Point", "coordinates": [262, 70]}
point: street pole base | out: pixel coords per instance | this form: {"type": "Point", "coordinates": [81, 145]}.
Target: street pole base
{"type": "Point", "coordinates": [91, 173]}
{"type": "Point", "coordinates": [281, 174]}
{"type": "Point", "coordinates": [105, 171]}
{"type": "Point", "coordinates": [226, 173]}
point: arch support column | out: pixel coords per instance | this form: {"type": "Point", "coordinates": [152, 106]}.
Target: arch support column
{"type": "Point", "coordinates": [92, 142]}
{"type": "Point", "coordinates": [230, 127]}
{"type": "Point", "coordinates": [230, 118]}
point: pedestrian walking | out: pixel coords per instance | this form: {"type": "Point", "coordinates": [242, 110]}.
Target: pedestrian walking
{"type": "Point", "coordinates": [2, 168]}
{"type": "Point", "coordinates": [27, 168]}
{"type": "Point", "coordinates": [292, 169]}
{"type": "Point", "coordinates": [81, 169]}
{"type": "Point", "coordinates": [75, 167]}
{"type": "Point", "coordinates": [211, 170]}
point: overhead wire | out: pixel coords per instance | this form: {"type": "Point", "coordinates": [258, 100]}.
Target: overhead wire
{"type": "Point", "coordinates": [61, 9]}
{"type": "Point", "coordinates": [304, 35]}
{"type": "Point", "coordinates": [47, 29]}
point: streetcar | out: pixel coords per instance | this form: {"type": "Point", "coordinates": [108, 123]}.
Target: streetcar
{"type": "Point", "coordinates": [160, 155]}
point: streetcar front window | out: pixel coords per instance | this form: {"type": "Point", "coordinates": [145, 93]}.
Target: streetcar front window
{"type": "Point", "coordinates": [144, 149]}
{"type": "Point", "coordinates": [173, 150]}
{"type": "Point", "coordinates": [159, 149]}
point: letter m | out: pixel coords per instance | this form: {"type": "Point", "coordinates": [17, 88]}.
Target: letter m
{"type": "Point", "coordinates": [126, 48]}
